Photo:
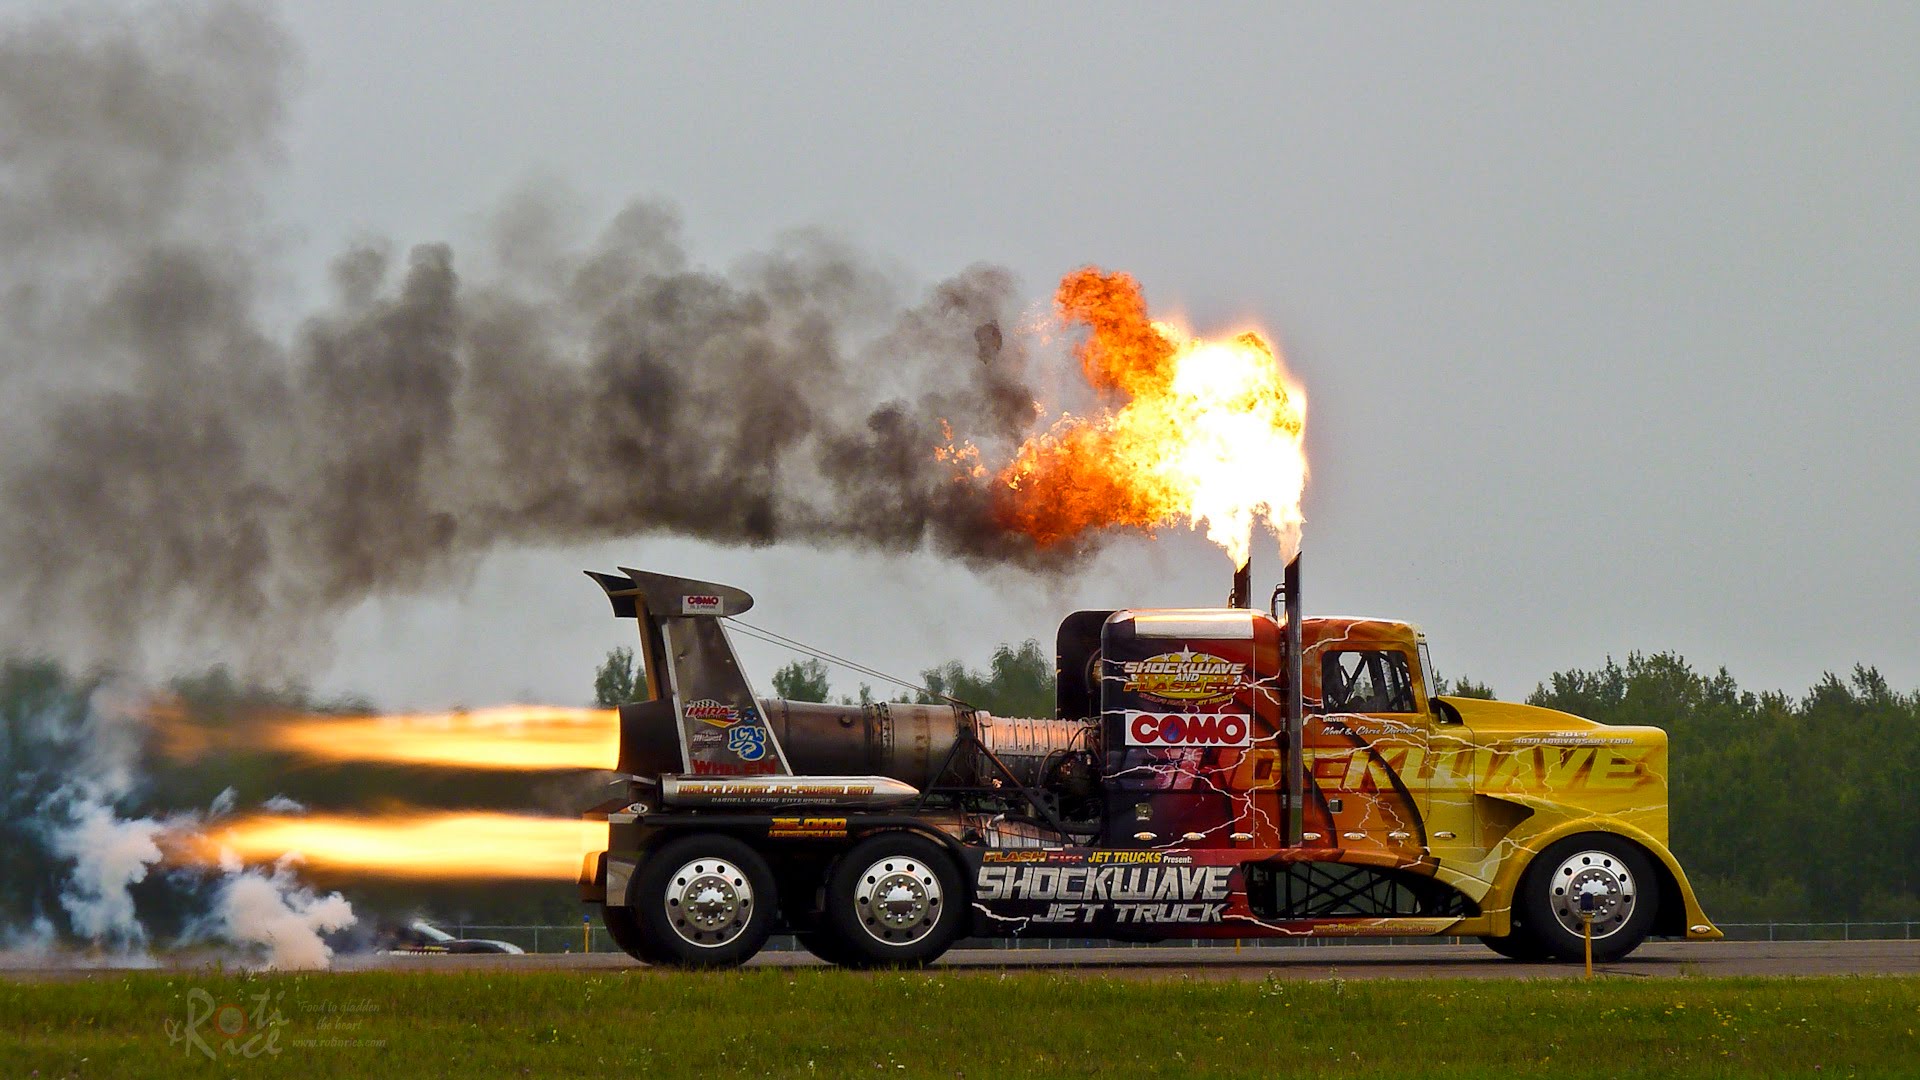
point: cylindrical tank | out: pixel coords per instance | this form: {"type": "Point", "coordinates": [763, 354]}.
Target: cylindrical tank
{"type": "Point", "coordinates": [912, 742]}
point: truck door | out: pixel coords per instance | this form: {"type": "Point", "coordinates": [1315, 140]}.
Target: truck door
{"type": "Point", "coordinates": [1367, 743]}
{"type": "Point", "coordinates": [1446, 779]}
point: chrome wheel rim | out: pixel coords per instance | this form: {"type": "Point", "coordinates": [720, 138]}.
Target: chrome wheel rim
{"type": "Point", "coordinates": [709, 902]}
{"type": "Point", "coordinates": [1604, 877]}
{"type": "Point", "coordinates": [898, 900]}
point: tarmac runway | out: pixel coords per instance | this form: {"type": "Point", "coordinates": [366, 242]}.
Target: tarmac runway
{"type": "Point", "coordinates": [1344, 961]}
{"type": "Point", "coordinates": [1446, 961]}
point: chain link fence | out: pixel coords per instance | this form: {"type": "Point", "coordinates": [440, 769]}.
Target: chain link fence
{"type": "Point", "coordinates": [592, 937]}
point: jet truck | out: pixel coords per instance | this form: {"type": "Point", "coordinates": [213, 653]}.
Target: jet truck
{"type": "Point", "coordinates": [1206, 773]}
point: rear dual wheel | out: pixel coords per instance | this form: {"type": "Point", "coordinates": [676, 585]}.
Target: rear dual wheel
{"type": "Point", "coordinates": [893, 900]}
{"type": "Point", "coordinates": [700, 901]}
{"type": "Point", "coordinates": [623, 926]}
{"type": "Point", "coordinates": [828, 946]}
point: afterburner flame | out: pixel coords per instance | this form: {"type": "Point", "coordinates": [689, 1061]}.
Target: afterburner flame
{"type": "Point", "coordinates": [1193, 430]}
{"type": "Point", "coordinates": [423, 845]}
{"type": "Point", "coordinates": [512, 737]}
{"type": "Point", "coordinates": [507, 737]}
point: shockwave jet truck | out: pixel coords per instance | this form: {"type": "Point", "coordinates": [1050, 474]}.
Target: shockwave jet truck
{"type": "Point", "coordinates": [1207, 773]}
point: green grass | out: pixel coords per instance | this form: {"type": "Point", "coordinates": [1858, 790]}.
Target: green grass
{"type": "Point", "coordinates": [824, 1023]}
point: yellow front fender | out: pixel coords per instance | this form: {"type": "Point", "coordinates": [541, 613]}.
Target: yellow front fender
{"type": "Point", "coordinates": [1522, 845]}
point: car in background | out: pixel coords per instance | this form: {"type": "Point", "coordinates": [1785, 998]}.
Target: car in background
{"type": "Point", "coordinates": [421, 936]}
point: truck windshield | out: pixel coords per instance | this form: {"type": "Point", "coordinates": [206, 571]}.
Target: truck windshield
{"type": "Point", "coordinates": [1427, 671]}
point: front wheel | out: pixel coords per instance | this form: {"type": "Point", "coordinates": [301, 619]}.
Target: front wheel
{"type": "Point", "coordinates": [704, 900]}
{"type": "Point", "coordinates": [893, 900]}
{"type": "Point", "coordinates": [1517, 946]}
{"type": "Point", "coordinates": [1594, 876]}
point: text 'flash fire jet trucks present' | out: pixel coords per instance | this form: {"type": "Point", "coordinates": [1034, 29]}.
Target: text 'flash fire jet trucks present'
{"type": "Point", "coordinates": [1207, 773]}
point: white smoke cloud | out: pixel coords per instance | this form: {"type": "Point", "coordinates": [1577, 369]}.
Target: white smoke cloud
{"type": "Point", "coordinates": [110, 854]}
{"type": "Point", "coordinates": [80, 821]}
{"type": "Point", "coordinates": [78, 803]}
{"type": "Point", "coordinates": [269, 915]}
{"type": "Point", "coordinates": [27, 943]}
{"type": "Point", "coordinates": [274, 915]}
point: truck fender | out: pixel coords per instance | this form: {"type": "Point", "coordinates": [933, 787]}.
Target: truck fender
{"type": "Point", "coordinates": [1498, 906]}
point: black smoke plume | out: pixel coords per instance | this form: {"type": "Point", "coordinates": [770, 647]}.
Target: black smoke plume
{"type": "Point", "coordinates": [173, 462]}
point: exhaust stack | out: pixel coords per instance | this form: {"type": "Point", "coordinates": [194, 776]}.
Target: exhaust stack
{"type": "Point", "coordinates": [1296, 767]}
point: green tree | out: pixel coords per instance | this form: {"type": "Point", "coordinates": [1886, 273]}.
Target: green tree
{"type": "Point", "coordinates": [1464, 687]}
{"type": "Point", "coordinates": [801, 680]}
{"type": "Point", "coordinates": [618, 680]}
{"type": "Point", "coordinates": [1017, 682]}
{"type": "Point", "coordinates": [865, 697]}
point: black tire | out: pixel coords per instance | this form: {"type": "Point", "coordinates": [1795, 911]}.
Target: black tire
{"type": "Point", "coordinates": [1517, 946]}
{"type": "Point", "coordinates": [624, 928]}
{"type": "Point", "coordinates": [920, 883]}
{"type": "Point", "coordinates": [827, 946]}
{"type": "Point", "coordinates": [733, 888]}
{"type": "Point", "coordinates": [1626, 891]}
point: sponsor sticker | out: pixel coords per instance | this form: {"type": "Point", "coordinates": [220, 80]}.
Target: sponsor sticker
{"type": "Point", "coordinates": [1127, 858]}
{"type": "Point", "coordinates": [749, 741]}
{"type": "Point", "coordinates": [1186, 677]}
{"type": "Point", "coordinates": [1184, 730]}
{"type": "Point", "coordinates": [709, 711]}
{"type": "Point", "coordinates": [1141, 895]}
{"type": "Point", "coordinates": [1033, 855]}
{"type": "Point", "coordinates": [700, 604]}
{"type": "Point", "coordinates": [813, 828]}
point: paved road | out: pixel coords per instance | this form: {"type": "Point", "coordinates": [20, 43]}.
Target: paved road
{"type": "Point", "coordinates": [1452, 961]}
{"type": "Point", "coordinates": [1449, 961]}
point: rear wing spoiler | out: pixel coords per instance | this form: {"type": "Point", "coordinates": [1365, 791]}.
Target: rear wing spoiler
{"type": "Point", "coordinates": [699, 716]}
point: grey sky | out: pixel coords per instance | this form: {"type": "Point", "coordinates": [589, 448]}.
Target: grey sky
{"type": "Point", "coordinates": [1607, 318]}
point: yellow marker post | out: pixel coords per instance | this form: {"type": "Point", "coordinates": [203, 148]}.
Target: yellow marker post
{"type": "Point", "coordinates": [586, 935]}
{"type": "Point", "coordinates": [1586, 927]}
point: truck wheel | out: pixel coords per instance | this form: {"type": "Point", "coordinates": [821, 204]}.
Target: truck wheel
{"type": "Point", "coordinates": [1610, 869]}
{"type": "Point", "coordinates": [623, 927]}
{"type": "Point", "coordinates": [827, 946]}
{"type": "Point", "coordinates": [703, 901]}
{"type": "Point", "coordinates": [1517, 946]}
{"type": "Point", "coordinates": [894, 900]}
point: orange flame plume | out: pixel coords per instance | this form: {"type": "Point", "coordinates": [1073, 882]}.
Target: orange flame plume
{"type": "Point", "coordinates": [418, 845]}
{"type": "Point", "coordinates": [1195, 429]}
{"type": "Point", "coordinates": [525, 737]}
{"type": "Point", "coordinates": [512, 737]}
